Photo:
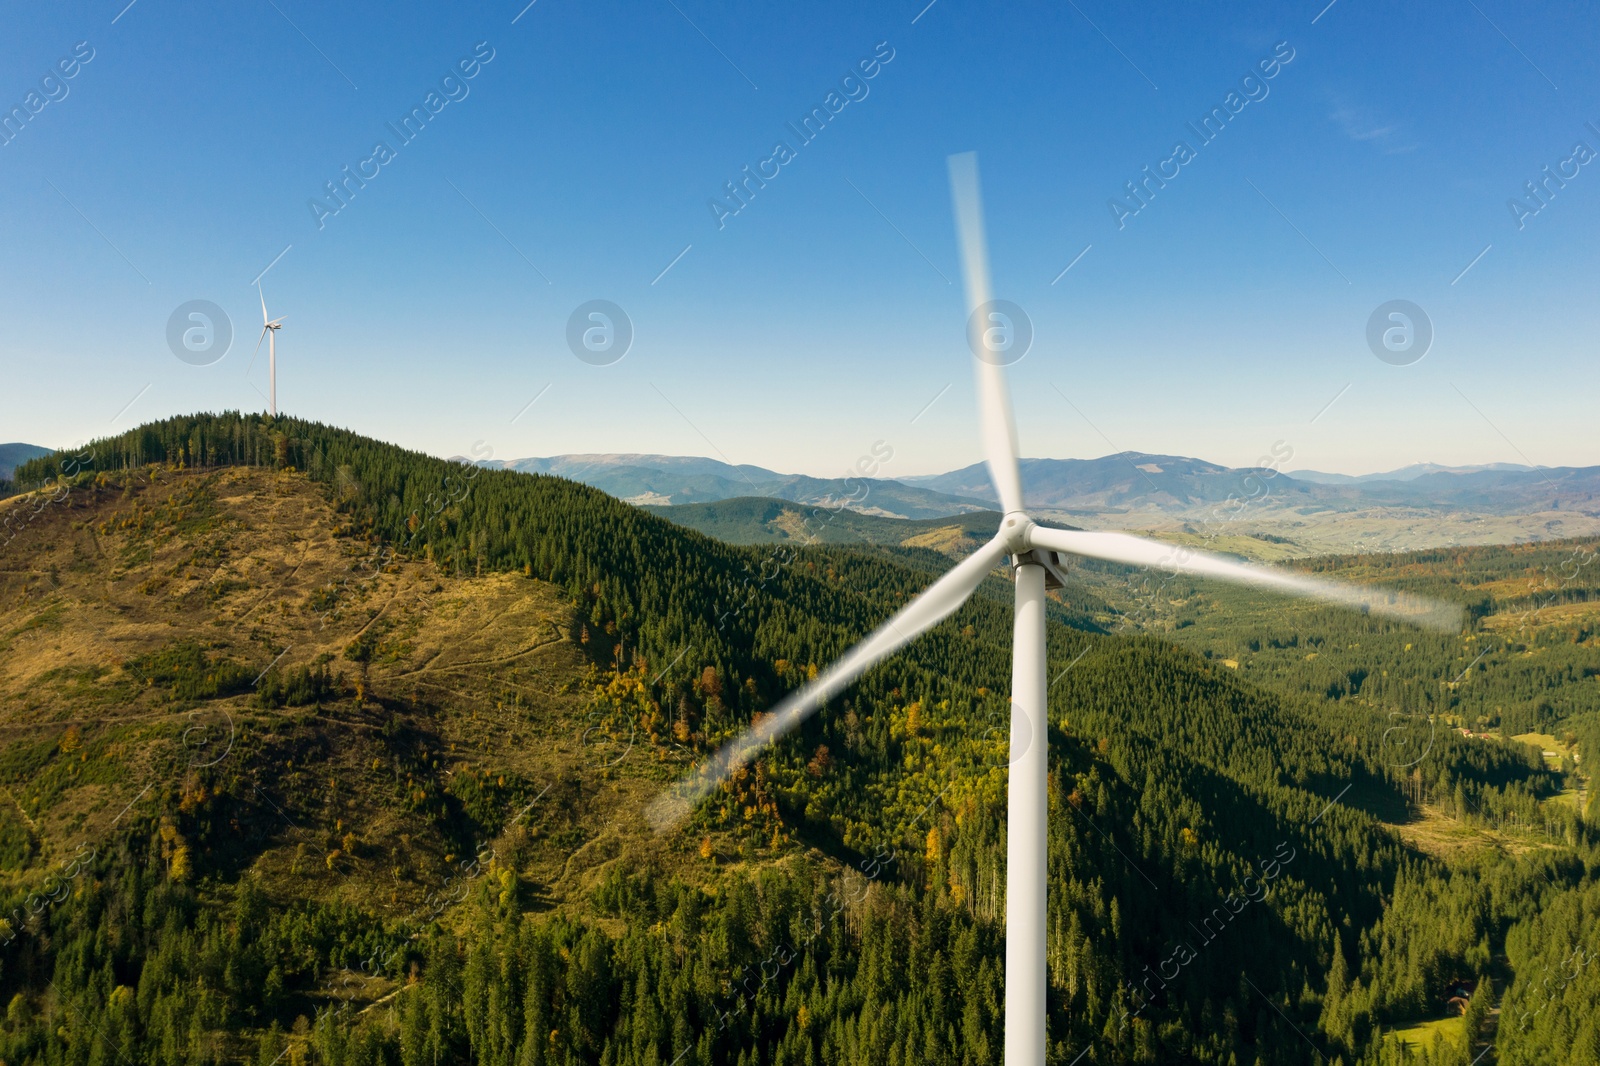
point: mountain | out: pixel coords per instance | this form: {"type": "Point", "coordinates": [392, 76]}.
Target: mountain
{"type": "Point", "coordinates": [1135, 481]}
{"type": "Point", "coordinates": [321, 750]}
{"type": "Point", "coordinates": [1405, 473]}
{"type": "Point", "coordinates": [13, 455]}
{"type": "Point", "coordinates": [1110, 482]}
{"type": "Point", "coordinates": [629, 476]}
{"type": "Point", "coordinates": [1417, 505]}
{"type": "Point", "coordinates": [1213, 504]}
{"type": "Point", "coordinates": [668, 479]}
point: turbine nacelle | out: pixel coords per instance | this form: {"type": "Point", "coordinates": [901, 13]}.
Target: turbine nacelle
{"type": "Point", "coordinates": [1016, 533]}
{"type": "Point", "coordinates": [1054, 563]}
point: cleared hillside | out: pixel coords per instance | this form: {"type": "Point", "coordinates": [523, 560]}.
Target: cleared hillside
{"type": "Point", "coordinates": [334, 714]}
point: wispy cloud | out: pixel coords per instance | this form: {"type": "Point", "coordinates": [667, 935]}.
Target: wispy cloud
{"type": "Point", "coordinates": [1359, 124]}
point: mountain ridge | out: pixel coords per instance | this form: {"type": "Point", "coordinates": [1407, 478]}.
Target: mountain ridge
{"type": "Point", "coordinates": [15, 454]}
{"type": "Point", "coordinates": [674, 480]}
{"type": "Point", "coordinates": [1404, 473]}
{"type": "Point", "coordinates": [1121, 480]}
{"type": "Point", "coordinates": [1419, 506]}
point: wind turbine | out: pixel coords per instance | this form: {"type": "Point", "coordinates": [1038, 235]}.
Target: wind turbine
{"type": "Point", "coordinates": [1037, 563]}
{"type": "Point", "coordinates": [269, 333]}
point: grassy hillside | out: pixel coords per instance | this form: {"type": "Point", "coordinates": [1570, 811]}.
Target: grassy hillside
{"type": "Point", "coordinates": [330, 752]}
{"type": "Point", "coordinates": [763, 520]}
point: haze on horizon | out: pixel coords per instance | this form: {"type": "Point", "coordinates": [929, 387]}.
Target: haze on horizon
{"type": "Point", "coordinates": [1280, 465]}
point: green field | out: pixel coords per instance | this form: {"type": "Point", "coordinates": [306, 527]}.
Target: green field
{"type": "Point", "coordinates": [1424, 1035]}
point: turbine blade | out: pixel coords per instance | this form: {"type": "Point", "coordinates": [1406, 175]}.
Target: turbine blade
{"type": "Point", "coordinates": [257, 352]}
{"type": "Point", "coordinates": [997, 426]}
{"type": "Point", "coordinates": [263, 293]}
{"type": "Point", "coordinates": [1138, 551]}
{"type": "Point", "coordinates": [933, 605]}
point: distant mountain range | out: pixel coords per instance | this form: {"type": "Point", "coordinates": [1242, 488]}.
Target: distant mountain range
{"type": "Point", "coordinates": [1299, 513]}
{"type": "Point", "coordinates": [1125, 483]}
{"type": "Point", "coordinates": [659, 480]}
{"type": "Point", "coordinates": [14, 455]}
{"type": "Point", "coordinates": [1405, 473]}
{"type": "Point", "coordinates": [1176, 485]}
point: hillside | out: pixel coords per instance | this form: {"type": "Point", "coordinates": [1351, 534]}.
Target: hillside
{"type": "Point", "coordinates": [761, 520]}
{"type": "Point", "coordinates": [228, 639]}
{"type": "Point", "coordinates": [333, 752]}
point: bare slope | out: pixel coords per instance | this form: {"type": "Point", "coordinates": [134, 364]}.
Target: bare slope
{"type": "Point", "coordinates": [350, 718]}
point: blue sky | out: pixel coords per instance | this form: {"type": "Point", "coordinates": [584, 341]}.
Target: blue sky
{"type": "Point", "coordinates": [577, 163]}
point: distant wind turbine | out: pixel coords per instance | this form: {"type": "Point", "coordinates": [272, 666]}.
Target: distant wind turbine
{"type": "Point", "coordinates": [1037, 563]}
{"type": "Point", "coordinates": [269, 333]}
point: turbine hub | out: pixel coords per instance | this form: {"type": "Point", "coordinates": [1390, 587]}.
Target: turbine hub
{"type": "Point", "coordinates": [1015, 527]}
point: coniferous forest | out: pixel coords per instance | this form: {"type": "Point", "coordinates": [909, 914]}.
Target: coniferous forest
{"type": "Point", "coordinates": [1278, 834]}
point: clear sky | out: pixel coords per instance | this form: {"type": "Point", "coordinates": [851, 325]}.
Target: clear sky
{"type": "Point", "coordinates": [578, 163]}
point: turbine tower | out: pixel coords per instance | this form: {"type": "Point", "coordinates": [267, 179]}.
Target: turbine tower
{"type": "Point", "coordinates": [269, 333]}
{"type": "Point", "coordinates": [1037, 560]}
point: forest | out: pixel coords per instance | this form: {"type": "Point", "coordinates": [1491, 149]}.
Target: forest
{"type": "Point", "coordinates": [1237, 787]}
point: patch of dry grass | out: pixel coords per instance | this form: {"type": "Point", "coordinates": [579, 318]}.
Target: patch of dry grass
{"type": "Point", "coordinates": [462, 675]}
{"type": "Point", "coordinates": [1431, 831]}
